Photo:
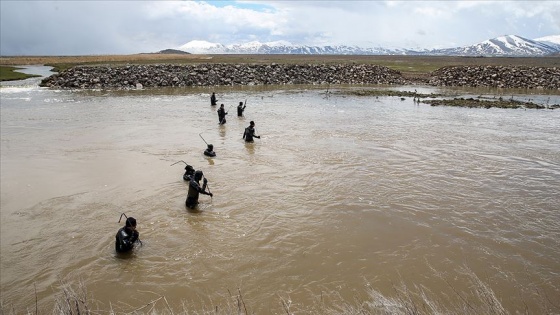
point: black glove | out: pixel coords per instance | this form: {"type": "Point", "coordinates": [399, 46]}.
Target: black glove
{"type": "Point", "coordinates": [205, 181]}
{"type": "Point", "coordinates": [258, 137]}
{"type": "Point", "coordinates": [211, 195]}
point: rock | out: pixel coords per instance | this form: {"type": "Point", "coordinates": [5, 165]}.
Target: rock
{"type": "Point", "coordinates": [159, 75]}
{"type": "Point", "coordinates": [497, 76]}
{"type": "Point", "coordinates": [152, 76]}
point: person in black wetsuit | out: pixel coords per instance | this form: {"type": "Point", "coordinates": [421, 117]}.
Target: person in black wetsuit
{"type": "Point", "coordinates": [210, 151]}
{"type": "Point", "coordinates": [240, 109]}
{"type": "Point", "coordinates": [249, 133]}
{"type": "Point", "coordinates": [195, 190]}
{"type": "Point", "coordinates": [213, 100]}
{"type": "Point", "coordinates": [126, 236]}
{"type": "Point", "coordinates": [189, 172]}
{"type": "Point", "coordinates": [222, 115]}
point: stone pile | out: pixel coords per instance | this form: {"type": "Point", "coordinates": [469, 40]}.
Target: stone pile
{"type": "Point", "coordinates": [167, 75]}
{"type": "Point", "coordinates": [497, 77]}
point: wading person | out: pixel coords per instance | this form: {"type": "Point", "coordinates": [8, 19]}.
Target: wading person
{"type": "Point", "coordinates": [126, 236]}
{"type": "Point", "coordinates": [195, 190]}
{"type": "Point", "coordinates": [249, 133]}
{"type": "Point", "coordinates": [189, 172]}
{"type": "Point", "coordinates": [210, 151]}
{"type": "Point", "coordinates": [222, 114]}
{"type": "Point", "coordinates": [213, 100]}
{"type": "Point", "coordinates": [240, 109]}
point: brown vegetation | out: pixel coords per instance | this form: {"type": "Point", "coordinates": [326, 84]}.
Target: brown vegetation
{"type": "Point", "coordinates": [405, 299]}
{"type": "Point", "coordinates": [436, 99]}
{"type": "Point", "coordinates": [478, 103]}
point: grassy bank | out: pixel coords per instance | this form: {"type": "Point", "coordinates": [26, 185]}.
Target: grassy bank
{"type": "Point", "coordinates": [8, 73]}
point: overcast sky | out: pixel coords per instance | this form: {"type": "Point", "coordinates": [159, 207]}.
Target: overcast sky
{"type": "Point", "coordinates": [75, 27]}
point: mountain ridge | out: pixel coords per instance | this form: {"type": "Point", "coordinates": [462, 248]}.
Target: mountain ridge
{"type": "Point", "coordinates": [506, 45]}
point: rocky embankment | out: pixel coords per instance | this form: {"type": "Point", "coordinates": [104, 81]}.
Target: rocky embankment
{"type": "Point", "coordinates": [149, 76]}
{"type": "Point", "coordinates": [497, 76]}
{"type": "Point", "coordinates": [168, 75]}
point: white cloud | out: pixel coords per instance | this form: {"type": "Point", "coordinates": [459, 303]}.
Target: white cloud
{"type": "Point", "coordinates": [103, 27]}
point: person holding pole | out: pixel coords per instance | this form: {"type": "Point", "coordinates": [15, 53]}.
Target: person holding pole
{"type": "Point", "coordinates": [189, 172]}
{"type": "Point", "coordinates": [222, 114]}
{"type": "Point", "coordinates": [241, 108]}
{"type": "Point", "coordinates": [209, 150]}
{"type": "Point", "coordinates": [249, 133]}
{"type": "Point", "coordinates": [213, 100]}
{"type": "Point", "coordinates": [126, 236]}
{"type": "Point", "coordinates": [195, 190]}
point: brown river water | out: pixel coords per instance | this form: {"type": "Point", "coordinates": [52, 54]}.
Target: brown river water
{"type": "Point", "coordinates": [341, 194]}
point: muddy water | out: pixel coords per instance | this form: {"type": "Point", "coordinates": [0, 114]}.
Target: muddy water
{"type": "Point", "coordinates": [340, 194]}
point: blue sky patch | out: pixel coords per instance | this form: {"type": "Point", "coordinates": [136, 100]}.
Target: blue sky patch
{"type": "Point", "coordinates": [259, 7]}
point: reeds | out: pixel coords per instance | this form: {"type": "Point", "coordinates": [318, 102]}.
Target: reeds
{"type": "Point", "coordinates": [404, 300]}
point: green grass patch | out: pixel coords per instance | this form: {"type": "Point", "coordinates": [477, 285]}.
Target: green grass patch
{"type": "Point", "coordinates": [59, 67]}
{"type": "Point", "coordinates": [10, 74]}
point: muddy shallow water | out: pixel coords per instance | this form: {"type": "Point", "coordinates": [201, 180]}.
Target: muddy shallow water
{"type": "Point", "coordinates": [340, 194]}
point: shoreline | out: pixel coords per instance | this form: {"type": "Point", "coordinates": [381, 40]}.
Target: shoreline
{"type": "Point", "coordinates": [154, 76]}
{"type": "Point", "coordinates": [132, 77]}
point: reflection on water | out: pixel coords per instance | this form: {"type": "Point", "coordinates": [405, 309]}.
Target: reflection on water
{"type": "Point", "coordinates": [340, 193]}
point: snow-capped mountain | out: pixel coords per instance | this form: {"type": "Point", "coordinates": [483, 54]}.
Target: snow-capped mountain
{"type": "Point", "coordinates": [508, 45]}
{"type": "Point", "coordinates": [553, 40]}
{"type": "Point", "coordinates": [281, 47]}
{"type": "Point", "coordinates": [203, 47]}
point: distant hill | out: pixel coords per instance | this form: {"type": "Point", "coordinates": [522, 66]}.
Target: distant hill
{"type": "Point", "coordinates": [173, 52]}
{"type": "Point", "coordinates": [507, 45]}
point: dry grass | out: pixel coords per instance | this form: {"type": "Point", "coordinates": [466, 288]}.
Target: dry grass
{"type": "Point", "coordinates": [404, 300]}
{"type": "Point", "coordinates": [100, 59]}
{"type": "Point", "coordinates": [408, 65]}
